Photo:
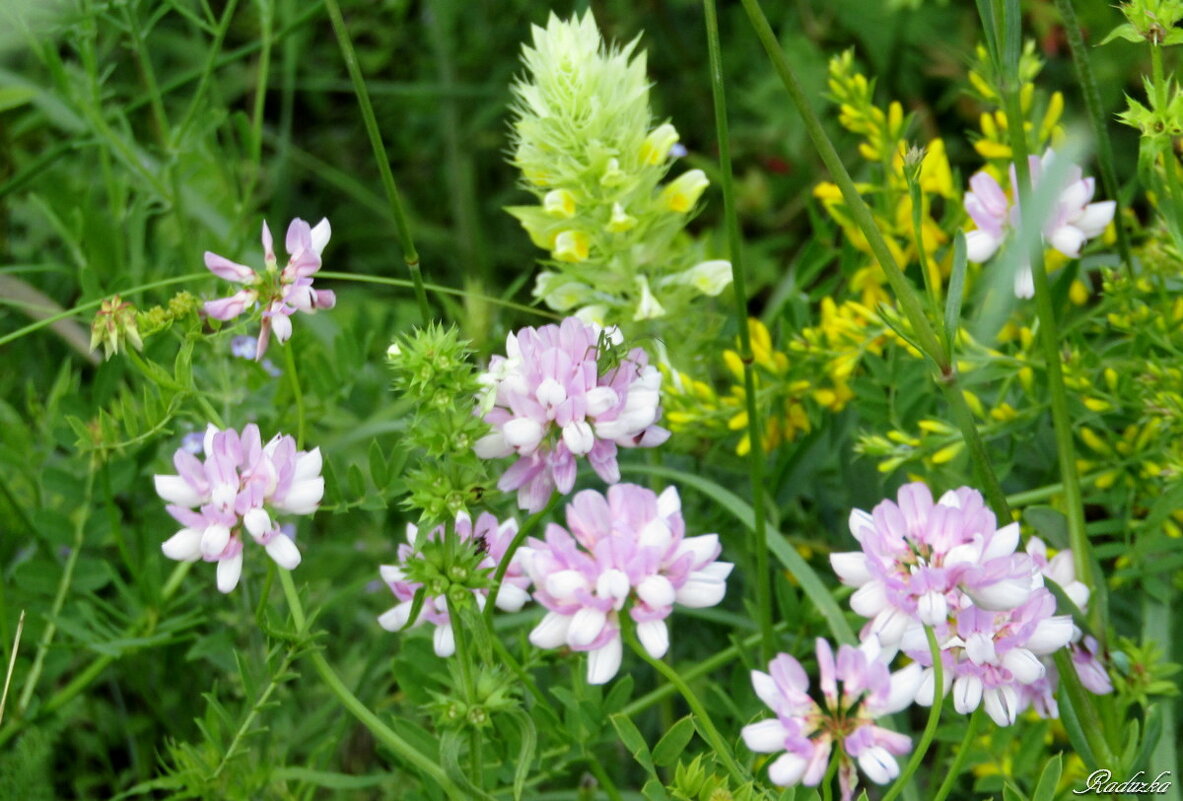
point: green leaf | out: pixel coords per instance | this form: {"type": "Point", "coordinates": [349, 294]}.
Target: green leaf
{"type": "Point", "coordinates": [1012, 793]}
{"type": "Point", "coordinates": [1049, 523]}
{"type": "Point", "coordinates": [1124, 31]}
{"type": "Point", "coordinates": [451, 743]}
{"type": "Point", "coordinates": [956, 290]}
{"type": "Point", "coordinates": [670, 747]}
{"type": "Point", "coordinates": [1049, 780]}
{"type": "Point", "coordinates": [333, 781]}
{"type": "Point", "coordinates": [654, 790]}
{"type": "Point", "coordinates": [811, 583]}
{"type": "Point", "coordinates": [379, 470]}
{"type": "Point", "coordinates": [529, 735]}
{"type": "Point", "coordinates": [633, 740]}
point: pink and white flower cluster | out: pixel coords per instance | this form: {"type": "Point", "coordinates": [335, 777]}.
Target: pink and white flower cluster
{"type": "Point", "coordinates": [947, 565]}
{"type": "Point", "coordinates": [240, 488]}
{"type": "Point", "coordinates": [1073, 220]}
{"type": "Point", "coordinates": [806, 732]}
{"type": "Point", "coordinates": [630, 544]}
{"type": "Point", "coordinates": [1041, 694]}
{"type": "Point", "coordinates": [554, 397]}
{"type": "Point", "coordinates": [281, 293]}
{"type": "Point", "coordinates": [494, 538]}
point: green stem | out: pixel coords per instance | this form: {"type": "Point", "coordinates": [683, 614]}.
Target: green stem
{"type": "Point", "coordinates": [934, 717]}
{"type": "Point", "coordinates": [94, 304]}
{"type": "Point", "coordinates": [602, 777]}
{"type": "Point", "coordinates": [59, 599]}
{"type": "Point", "coordinates": [410, 255]}
{"type": "Point", "coordinates": [1092, 102]}
{"type": "Point", "coordinates": [1050, 341]}
{"type": "Point", "coordinates": [755, 457]}
{"type": "Point", "coordinates": [383, 733]}
{"type": "Point", "coordinates": [439, 290]}
{"type": "Point", "coordinates": [502, 566]}
{"type": "Point", "coordinates": [297, 393]}
{"type": "Point", "coordinates": [910, 304]}
{"type": "Point", "coordinates": [963, 752]}
{"type": "Point", "coordinates": [722, 749]}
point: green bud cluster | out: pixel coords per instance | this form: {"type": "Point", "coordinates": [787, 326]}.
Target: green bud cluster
{"type": "Point", "coordinates": [181, 306]}
{"type": "Point", "coordinates": [588, 151]}
{"type": "Point", "coordinates": [696, 782]}
{"type": "Point", "coordinates": [1151, 21]}
{"type": "Point", "coordinates": [494, 690]}
{"type": "Point", "coordinates": [114, 327]}
{"type": "Point", "coordinates": [434, 370]}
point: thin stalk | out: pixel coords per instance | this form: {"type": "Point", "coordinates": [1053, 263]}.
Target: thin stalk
{"type": "Point", "coordinates": [439, 290]}
{"type": "Point", "coordinates": [1092, 102]}
{"type": "Point", "coordinates": [1050, 341]}
{"type": "Point", "coordinates": [297, 393]}
{"type": "Point", "coordinates": [94, 304]}
{"type": "Point", "coordinates": [59, 598]}
{"type": "Point", "coordinates": [1082, 703]}
{"type": "Point", "coordinates": [963, 750]}
{"type": "Point", "coordinates": [383, 733]}
{"type": "Point", "coordinates": [934, 717]}
{"type": "Point", "coordinates": [211, 64]}
{"type": "Point", "coordinates": [16, 647]}
{"type": "Point", "coordinates": [410, 255]}
{"type": "Point", "coordinates": [739, 284]}
{"type": "Point", "coordinates": [606, 783]}
{"type": "Point", "coordinates": [722, 748]}
{"type": "Point", "coordinates": [910, 304]}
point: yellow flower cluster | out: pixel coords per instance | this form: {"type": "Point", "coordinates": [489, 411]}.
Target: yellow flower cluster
{"type": "Point", "coordinates": [883, 144]}
{"type": "Point", "coordinates": [1042, 125]}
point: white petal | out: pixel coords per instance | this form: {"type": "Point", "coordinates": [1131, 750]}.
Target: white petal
{"type": "Point", "coordinates": [764, 737]}
{"type": "Point", "coordinates": [1095, 217]}
{"type": "Point", "coordinates": [303, 497]}
{"type": "Point", "coordinates": [1003, 543]}
{"type": "Point", "coordinates": [586, 625]}
{"type": "Point", "coordinates": [308, 466]}
{"type": "Point", "coordinates": [980, 246]}
{"type": "Point", "coordinates": [1024, 282]}
{"type": "Point", "coordinates": [320, 235]}
{"type": "Point", "coordinates": [979, 647]}
{"type": "Point", "coordinates": [551, 631]}
{"type": "Point", "coordinates": [967, 693]}
{"type": "Point", "coordinates": [656, 591]}
{"type": "Point", "coordinates": [766, 689]}
{"type": "Point", "coordinates": [511, 598]}
{"type": "Point", "coordinates": [904, 685]}
{"type": "Point", "coordinates": [550, 392]}
{"type": "Point", "coordinates": [175, 489]}
{"type": "Point", "coordinates": [851, 567]}
{"type": "Point", "coordinates": [283, 551]}
{"type": "Point", "coordinates": [578, 437]}
{"type": "Point", "coordinates": [878, 765]}
{"type": "Point", "coordinates": [1023, 665]}
{"type": "Point", "coordinates": [655, 636]}
{"type": "Point", "coordinates": [613, 584]}
{"type": "Point", "coordinates": [1002, 704]}
{"type": "Point", "coordinates": [600, 400]}
{"type": "Point", "coordinates": [1002, 595]}
{"type": "Point", "coordinates": [701, 590]}
{"type": "Point", "coordinates": [524, 433]}
{"type": "Point", "coordinates": [229, 571]}
{"type": "Point", "coordinates": [869, 599]}
{"type": "Point", "coordinates": [604, 662]}
{"type": "Point", "coordinates": [933, 608]}
{"type": "Point", "coordinates": [1068, 239]}
{"type": "Point", "coordinates": [214, 539]}
{"type": "Point", "coordinates": [564, 583]}
{"type": "Point", "coordinates": [444, 641]}
{"type": "Point", "coordinates": [395, 618]}
{"type": "Point", "coordinates": [1050, 635]}
{"type": "Point", "coordinates": [669, 504]}
{"type": "Point", "coordinates": [184, 546]}
{"type": "Point", "coordinates": [492, 446]}
{"type": "Point", "coordinates": [257, 522]}
{"type": "Point", "coordinates": [391, 573]}
{"type": "Point", "coordinates": [787, 770]}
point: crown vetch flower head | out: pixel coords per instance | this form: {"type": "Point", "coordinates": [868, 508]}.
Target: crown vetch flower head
{"type": "Point", "coordinates": [806, 730]}
{"type": "Point", "coordinates": [239, 489]}
{"type": "Point", "coordinates": [492, 538]}
{"type": "Point", "coordinates": [281, 293]}
{"type": "Point", "coordinates": [629, 545]}
{"type": "Point", "coordinates": [918, 558]}
{"type": "Point", "coordinates": [559, 394]}
{"type": "Point", "coordinates": [1073, 219]}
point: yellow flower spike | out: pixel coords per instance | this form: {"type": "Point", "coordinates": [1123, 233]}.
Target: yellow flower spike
{"type": "Point", "coordinates": [1078, 293]}
{"type": "Point", "coordinates": [930, 426]}
{"type": "Point", "coordinates": [559, 203]}
{"type": "Point", "coordinates": [1106, 480]}
{"type": "Point", "coordinates": [761, 339]}
{"type": "Point", "coordinates": [948, 453]}
{"type": "Point", "coordinates": [899, 437]}
{"type": "Point", "coordinates": [1004, 412]}
{"type": "Point", "coordinates": [888, 465]}
{"type": "Point", "coordinates": [1091, 439]}
{"type": "Point", "coordinates": [868, 152]}
{"type": "Point", "coordinates": [983, 88]}
{"type": "Point", "coordinates": [572, 246]}
{"type": "Point", "coordinates": [734, 363]}
{"type": "Point", "coordinates": [1026, 95]}
{"type": "Point", "coordinates": [895, 118]}
{"type": "Point", "coordinates": [988, 126]}
{"type": "Point", "coordinates": [974, 403]}
{"type": "Point", "coordinates": [1026, 337]}
{"type": "Point", "coordinates": [826, 191]}
{"type": "Point", "coordinates": [738, 421]}
{"type": "Point", "coordinates": [1051, 118]}
{"type": "Point", "coordinates": [992, 150]}
{"type": "Point", "coordinates": [657, 144]}
{"type": "Point", "coordinates": [936, 177]}
{"type": "Point", "coordinates": [1026, 378]}
{"type": "Point", "coordinates": [744, 447]}
{"type": "Point", "coordinates": [681, 195]}
{"type": "Point", "coordinates": [1097, 405]}
{"type": "Point", "coordinates": [621, 221]}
